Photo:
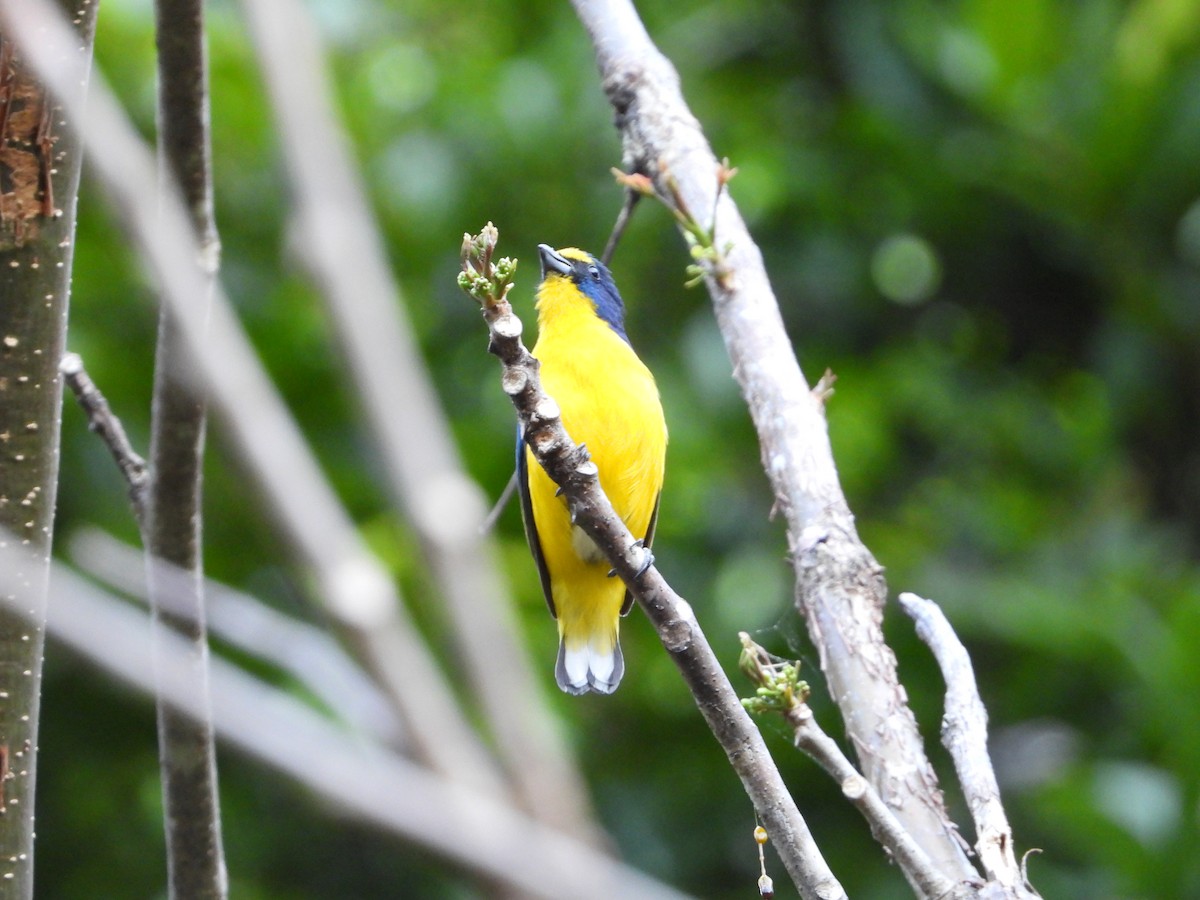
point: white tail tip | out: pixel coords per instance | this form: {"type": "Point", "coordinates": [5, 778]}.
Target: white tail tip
{"type": "Point", "coordinates": [588, 669]}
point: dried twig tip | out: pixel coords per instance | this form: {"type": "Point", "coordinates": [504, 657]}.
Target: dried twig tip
{"type": "Point", "coordinates": [824, 387]}
{"type": "Point", "coordinates": [635, 181]}
{"type": "Point", "coordinates": [725, 173]}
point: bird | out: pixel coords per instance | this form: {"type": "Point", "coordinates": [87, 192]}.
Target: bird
{"type": "Point", "coordinates": [609, 402]}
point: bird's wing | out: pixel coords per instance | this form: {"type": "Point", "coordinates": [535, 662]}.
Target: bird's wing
{"type": "Point", "coordinates": [531, 532]}
{"type": "Point", "coordinates": [627, 603]}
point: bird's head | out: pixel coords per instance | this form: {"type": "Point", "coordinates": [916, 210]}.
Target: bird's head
{"type": "Point", "coordinates": [589, 277]}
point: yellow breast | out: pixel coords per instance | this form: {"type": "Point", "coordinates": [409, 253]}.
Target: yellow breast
{"type": "Point", "coordinates": [609, 402]}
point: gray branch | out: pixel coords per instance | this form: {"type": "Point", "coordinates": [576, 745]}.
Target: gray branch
{"type": "Point", "coordinates": [309, 654]}
{"type": "Point", "coordinates": [839, 586]}
{"type": "Point", "coordinates": [173, 511]}
{"type": "Point", "coordinates": [569, 467]}
{"type": "Point", "coordinates": [964, 734]}
{"type": "Point", "coordinates": [105, 424]}
{"type": "Point", "coordinates": [470, 829]}
{"type": "Point", "coordinates": [356, 591]}
{"type": "Point", "coordinates": [341, 247]}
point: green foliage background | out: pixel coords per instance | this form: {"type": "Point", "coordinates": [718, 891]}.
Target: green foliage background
{"type": "Point", "coordinates": [983, 216]}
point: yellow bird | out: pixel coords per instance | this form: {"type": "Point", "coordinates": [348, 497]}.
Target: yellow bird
{"type": "Point", "coordinates": [609, 402]}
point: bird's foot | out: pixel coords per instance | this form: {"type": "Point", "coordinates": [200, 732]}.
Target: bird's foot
{"type": "Point", "coordinates": [647, 561]}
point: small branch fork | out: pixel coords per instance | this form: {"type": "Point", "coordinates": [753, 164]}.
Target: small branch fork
{"type": "Point", "coordinates": [780, 690]}
{"type": "Point", "coordinates": [568, 465]}
{"type": "Point", "coordinates": [708, 257]}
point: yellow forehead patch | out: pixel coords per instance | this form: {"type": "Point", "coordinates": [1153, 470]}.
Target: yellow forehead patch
{"type": "Point", "coordinates": [576, 254]}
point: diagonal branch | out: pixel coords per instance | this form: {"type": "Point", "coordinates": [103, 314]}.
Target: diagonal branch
{"type": "Point", "coordinates": [471, 830]}
{"type": "Point", "coordinates": [104, 424]}
{"type": "Point", "coordinates": [568, 466]}
{"type": "Point", "coordinates": [307, 653]}
{"type": "Point", "coordinates": [344, 253]}
{"type": "Point", "coordinates": [839, 586]}
{"type": "Point", "coordinates": [780, 690]}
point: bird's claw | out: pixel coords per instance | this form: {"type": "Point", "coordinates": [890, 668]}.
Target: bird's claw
{"type": "Point", "coordinates": [647, 561]}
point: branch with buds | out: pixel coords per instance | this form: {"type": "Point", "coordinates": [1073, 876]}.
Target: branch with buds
{"type": "Point", "coordinates": [569, 467]}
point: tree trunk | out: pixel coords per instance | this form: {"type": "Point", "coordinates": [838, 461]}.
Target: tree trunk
{"type": "Point", "coordinates": [39, 180]}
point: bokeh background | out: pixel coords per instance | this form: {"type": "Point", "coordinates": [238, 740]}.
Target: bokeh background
{"type": "Point", "coordinates": [983, 216]}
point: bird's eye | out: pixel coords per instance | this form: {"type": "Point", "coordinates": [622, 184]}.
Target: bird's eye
{"type": "Point", "coordinates": [593, 271]}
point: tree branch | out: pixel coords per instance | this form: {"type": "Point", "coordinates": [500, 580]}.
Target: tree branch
{"type": "Point", "coordinates": [780, 690]}
{"type": "Point", "coordinates": [569, 467]}
{"type": "Point", "coordinates": [309, 654]}
{"type": "Point", "coordinates": [171, 527]}
{"type": "Point", "coordinates": [343, 251]}
{"type": "Point", "coordinates": [104, 423]}
{"type": "Point", "coordinates": [470, 829]}
{"type": "Point", "coordinates": [964, 734]}
{"type": "Point", "coordinates": [839, 586]}
{"type": "Point", "coordinates": [356, 592]}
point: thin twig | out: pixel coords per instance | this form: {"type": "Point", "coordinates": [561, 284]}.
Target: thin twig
{"type": "Point", "coordinates": [623, 218]}
{"type": "Point", "coordinates": [428, 480]}
{"type": "Point", "coordinates": [964, 734]}
{"type": "Point", "coordinates": [502, 501]}
{"type": "Point", "coordinates": [839, 586]}
{"type": "Point", "coordinates": [568, 466]}
{"type": "Point", "coordinates": [103, 422]}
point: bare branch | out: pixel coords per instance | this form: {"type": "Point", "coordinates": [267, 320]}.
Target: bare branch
{"type": "Point", "coordinates": [103, 422]}
{"type": "Point", "coordinates": [780, 690]}
{"type": "Point", "coordinates": [343, 250]}
{"type": "Point", "coordinates": [357, 592]}
{"type": "Point", "coordinates": [964, 734]}
{"type": "Point", "coordinates": [470, 829]}
{"type": "Point", "coordinates": [568, 466]}
{"type": "Point", "coordinates": [171, 526]}
{"type": "Point", "coordinates": [307, 653]}
{"type": "Point", "coordinates": [628, 205]}
{"type": "Point", "coordinates": [839, 586]}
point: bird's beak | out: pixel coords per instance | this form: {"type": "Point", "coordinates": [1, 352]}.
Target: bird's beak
{"type": "Point", "coordinates": [552, 261]}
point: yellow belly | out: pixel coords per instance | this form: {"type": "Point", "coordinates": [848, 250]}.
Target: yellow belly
{"type": "Point", "coordinates": [610, 403]}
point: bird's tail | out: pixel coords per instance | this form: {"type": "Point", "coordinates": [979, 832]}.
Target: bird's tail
{"type": "Point", "coordinates": [593, 664]}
